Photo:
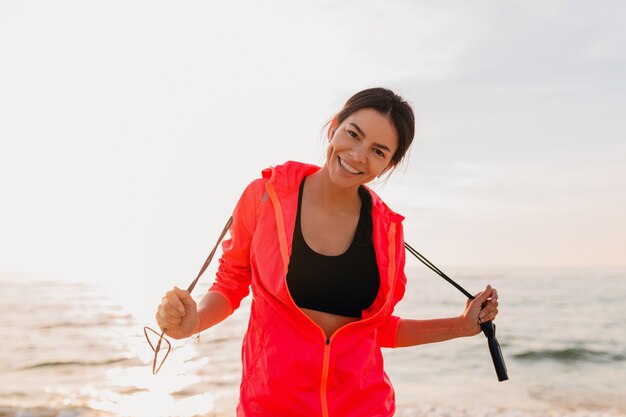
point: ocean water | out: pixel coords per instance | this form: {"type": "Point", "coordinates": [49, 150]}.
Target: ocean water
{"type": "Point", "coordinates": [75, 349]}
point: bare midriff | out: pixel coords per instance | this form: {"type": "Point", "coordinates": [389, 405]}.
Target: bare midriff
{"type": "Point", "coordinates": [327, 321]}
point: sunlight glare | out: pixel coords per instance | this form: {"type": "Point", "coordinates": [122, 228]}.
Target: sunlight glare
{"type": "Point", "coordinates": [153, 404]}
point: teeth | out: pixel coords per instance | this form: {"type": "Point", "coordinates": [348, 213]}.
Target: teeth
{"type": "Point", "coordinates": [347, 167]}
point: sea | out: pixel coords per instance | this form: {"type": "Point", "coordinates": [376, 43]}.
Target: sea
{"type": "Point", "coordinates": [72, 348]}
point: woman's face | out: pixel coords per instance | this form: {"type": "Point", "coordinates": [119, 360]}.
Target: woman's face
{"type": "Point", "coordinates": [361, 148]}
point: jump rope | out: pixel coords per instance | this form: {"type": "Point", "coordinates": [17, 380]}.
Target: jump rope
{"type": "Point", "coordinates": [488, 328]}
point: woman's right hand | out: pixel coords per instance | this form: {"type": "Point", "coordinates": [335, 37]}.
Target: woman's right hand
{"type": "Point", "coordinates": [178, 314]}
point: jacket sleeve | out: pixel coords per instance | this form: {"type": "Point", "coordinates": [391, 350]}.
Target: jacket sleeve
{"type": "Point", "coordinates": [388, 331]}
{"type": "Point", "coordinates": [233, 275]}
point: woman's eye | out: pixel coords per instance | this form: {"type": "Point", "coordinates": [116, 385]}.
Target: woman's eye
{"type": "Point", "coordinates": [353, 134]}
{"type": "Point", "coordinates": [379, 153]}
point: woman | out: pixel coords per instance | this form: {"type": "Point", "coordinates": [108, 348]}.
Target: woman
{"type": "Point", "coordinates": [324, 257]}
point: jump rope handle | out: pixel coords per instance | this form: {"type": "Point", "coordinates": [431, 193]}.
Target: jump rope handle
{"type": "Point", "coordinates": [488, 328]}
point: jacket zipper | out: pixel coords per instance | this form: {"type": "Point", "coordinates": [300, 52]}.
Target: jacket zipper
{"type": "Point", "coordinates": [282, 243]}
{"type": "Point", "coordinates": [326, 363]}
{"type": "Point", "coordinates": [324, 384]}
{"type": "Point", "coordinates": [282, 240]}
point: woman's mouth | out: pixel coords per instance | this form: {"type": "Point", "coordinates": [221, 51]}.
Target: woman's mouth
{"type": "Point", "coordinates": [347, 167]}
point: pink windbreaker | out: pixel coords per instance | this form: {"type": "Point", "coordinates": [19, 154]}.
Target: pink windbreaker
{"type": "Point", "coordinates": [290, 368]}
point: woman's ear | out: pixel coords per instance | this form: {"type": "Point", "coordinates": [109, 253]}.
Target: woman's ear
{"type": "Point", "coordinates": [332, 128]}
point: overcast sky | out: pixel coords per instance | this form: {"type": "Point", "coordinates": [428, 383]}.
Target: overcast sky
{"type": "Point", "coordinates": [128, 129]}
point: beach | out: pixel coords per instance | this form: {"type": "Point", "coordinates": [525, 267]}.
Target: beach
{"type": "Point", "coordinates": [78, 349]}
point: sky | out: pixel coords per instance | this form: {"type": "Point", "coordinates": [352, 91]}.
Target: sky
{"type": "Point", "coordinates": [128, 129]}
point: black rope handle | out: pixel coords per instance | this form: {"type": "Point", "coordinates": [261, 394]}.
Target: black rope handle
{"type": "Point", "coordinates": [488, 328]}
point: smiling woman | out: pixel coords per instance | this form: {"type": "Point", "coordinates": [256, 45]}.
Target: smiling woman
{"type": "Point", "coordinates": [364, 156]}
{"type": "Point", "coordinates": [324, 257]}
{"type": "Point", "coordinates": [397, 111]}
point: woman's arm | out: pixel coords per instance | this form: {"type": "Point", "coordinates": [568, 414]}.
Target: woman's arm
{"type": "Point", "coordinates": [418, 332]}
{"type": "Point", "coordinates": [212, 309]}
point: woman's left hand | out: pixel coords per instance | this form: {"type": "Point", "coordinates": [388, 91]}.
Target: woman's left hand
{"type": "Point", "coordinates": [484, 307]}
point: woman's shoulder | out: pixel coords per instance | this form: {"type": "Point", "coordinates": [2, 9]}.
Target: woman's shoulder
{"type": "Point", "coordinates": [283, 176]}
{"type": "Point", "coordinates": [288, 175]}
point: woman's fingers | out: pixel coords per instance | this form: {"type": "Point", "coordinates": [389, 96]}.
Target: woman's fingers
{"type": "Point", "coordinates": [185, 299]}
{"type": "Point", "coordinates": [172, 308]}
{"type": "Point", "coordinates": [174, 303]}
{"type": "Point", "coordinates": [489, 309]}
{"type": "Point", "coordinates": [483, 308]}
{"type": "Point", "coordinates": [167, 314]}
{"type": "Point", "coordinates": [487, 315]}
{"type": "Point", "coordinates": [484, 295]}
{"type": "Point", "coordinates": [177, 313]}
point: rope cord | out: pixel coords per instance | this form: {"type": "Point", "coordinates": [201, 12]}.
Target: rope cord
{"type": "Point", "coordinates": [208, 259]}
{"type": "Point", "coordinates": [437, 270]}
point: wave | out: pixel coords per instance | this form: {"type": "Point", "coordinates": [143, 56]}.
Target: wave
{"type": "Point", "coordinates": [571, 355]}
{"type": "Point", "coordinates": [9, 411]}
{"type": "Point", "coordinates": [478, 411]}
{"type": "Point", "coordinates": [55, 364]}
{"type": "Point", "coordinates": [107, 320]}
{"type": "Point", "coordinates": [72, 325]}
{"type": "Point", "coordinates": [403, 411]}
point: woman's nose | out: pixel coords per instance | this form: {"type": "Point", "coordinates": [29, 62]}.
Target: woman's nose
{"type": "Point", "coordinates": [358, 153]}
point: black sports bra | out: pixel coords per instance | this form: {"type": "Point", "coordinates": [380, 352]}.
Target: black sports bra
{"type": "Point", "coordinates": [345, 284]}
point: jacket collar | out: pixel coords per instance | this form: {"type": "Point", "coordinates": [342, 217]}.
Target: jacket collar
{"type": "Point", "coordinates": [289, 175]}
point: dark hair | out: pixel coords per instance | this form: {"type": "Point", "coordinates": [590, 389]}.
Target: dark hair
{"type": "Point", "coordinates": [386, 102]}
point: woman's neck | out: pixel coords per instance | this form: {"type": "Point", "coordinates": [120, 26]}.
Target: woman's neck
{"type": "Point", "coordinates": [329, 195]}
